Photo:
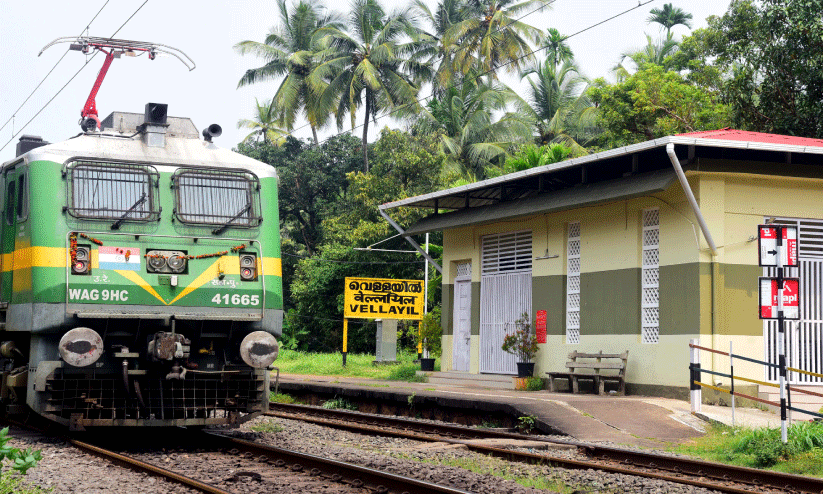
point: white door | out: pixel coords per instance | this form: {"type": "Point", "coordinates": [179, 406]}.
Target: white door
{"type": "Point", "coordinates": [505, 295]}
{"type": "Point", "coordinates": [462, 324]}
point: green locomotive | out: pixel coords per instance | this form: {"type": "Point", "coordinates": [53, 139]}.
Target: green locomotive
{"type": "Point", "coordinates": [141, 277]}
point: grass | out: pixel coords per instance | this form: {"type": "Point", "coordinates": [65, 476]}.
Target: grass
{"type": "Point", "coordinates": [357, 365]}
{"type": "Point", "coordinates": [267, 426]}
{"type": "Point", "coordinates": [521, 474]}
{"type": "Point", "coordinates": [11, 483]}
{"type": "Point", "coordinates": [281, 398]}
{"type": "Point", "coordinates": [339, 403]}
{"type": "Point", "coordinates": [762, 448]}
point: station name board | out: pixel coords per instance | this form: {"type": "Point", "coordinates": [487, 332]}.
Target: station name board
{"type": "Point", "coordinates": [374, 298]}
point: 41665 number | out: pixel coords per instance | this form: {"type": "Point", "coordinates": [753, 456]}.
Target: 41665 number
{"type": "Point", "coordinates": [236, 299]}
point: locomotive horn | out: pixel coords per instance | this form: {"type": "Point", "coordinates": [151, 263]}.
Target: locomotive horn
{"type": "Point", "coordinates": [212, 131]}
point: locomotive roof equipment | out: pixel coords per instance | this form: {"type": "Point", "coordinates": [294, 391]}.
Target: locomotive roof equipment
{"type": "Point", "coordinates": [89, 121]}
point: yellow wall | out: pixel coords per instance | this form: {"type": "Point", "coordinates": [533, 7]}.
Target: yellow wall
{"type": "Point", "coordinates": [732, 204]}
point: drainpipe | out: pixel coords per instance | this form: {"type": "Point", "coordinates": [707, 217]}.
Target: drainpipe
{"type": "Point", "coordinates": [411, 241]}
{"type": "Point", "coordinates": [715, 268]}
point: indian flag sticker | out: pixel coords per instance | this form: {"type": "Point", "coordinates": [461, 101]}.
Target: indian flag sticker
{"type": "Point", "coordinates": [123, 258]}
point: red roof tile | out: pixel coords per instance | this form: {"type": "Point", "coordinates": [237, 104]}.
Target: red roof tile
{"type": "Point", "coordinates": [745, 135]}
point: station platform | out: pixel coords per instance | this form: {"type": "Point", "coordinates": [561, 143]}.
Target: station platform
{"type": "Point", "coordinates": [642, 421]}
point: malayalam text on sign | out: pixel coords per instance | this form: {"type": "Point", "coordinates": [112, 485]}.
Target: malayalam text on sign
{"type": "Point", "coordinates": [372, 298]}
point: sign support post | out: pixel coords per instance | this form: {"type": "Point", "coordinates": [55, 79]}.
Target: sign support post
{"type": "Point", "coordinates": [345, 339]}
{"type": "Point", "coordinates": [781, 336]}
{"type": "Point", "coordinates": [778, 245]}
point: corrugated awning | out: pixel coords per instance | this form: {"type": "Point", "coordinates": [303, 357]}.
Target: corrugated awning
{"type": "Point", "coordinates": [580, 196]}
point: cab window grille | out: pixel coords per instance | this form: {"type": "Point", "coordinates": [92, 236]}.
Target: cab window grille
{"type": "Point", "coordinates": [216, 197]}
{"type": "Point", "coordinates": [104, 191]}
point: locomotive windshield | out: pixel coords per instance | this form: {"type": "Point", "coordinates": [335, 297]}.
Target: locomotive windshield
{"type": "Point", "coordinates": [111, 191]}
{"type": "Point", "coordinates": [211, 197]}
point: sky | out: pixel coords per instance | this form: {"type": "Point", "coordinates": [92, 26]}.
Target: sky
{"type": "Point", "coordinates": [206, 31]}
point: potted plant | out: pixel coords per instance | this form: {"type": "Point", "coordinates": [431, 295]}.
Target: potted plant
{"type": "Point", "coordinates": [429, 336]}
{"type": "Point", "coordinates": [522, 343]}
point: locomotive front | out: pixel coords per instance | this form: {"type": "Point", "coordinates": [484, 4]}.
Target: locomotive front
{"type": "Point", "coordinates": [147, 292]}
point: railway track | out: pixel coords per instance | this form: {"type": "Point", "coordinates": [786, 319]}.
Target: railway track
{"type": "Point", "coordinates": [709, 475]}
{"type": "Point", "coordinates": [252, 462]}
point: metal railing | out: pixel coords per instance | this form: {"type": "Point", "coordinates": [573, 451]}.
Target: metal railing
{"type": "Point", "coordinates": [696, 384]}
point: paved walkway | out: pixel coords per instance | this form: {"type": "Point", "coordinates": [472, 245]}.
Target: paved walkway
{"type": "Point", "coordinates": [633, 420]}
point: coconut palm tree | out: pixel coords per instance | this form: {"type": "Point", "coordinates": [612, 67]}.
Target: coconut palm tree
{"type": "Point", "coordinates": [669, 17]}
{"type": "Point", "coordinates": [557, 50]}
{"type": "Point", "coordinates": [432, 48]}
{"type": "Point", "coordinates": [464, 115]}
{"type": "Point", "coordinates": [562, 111]}
{"type": "Point", "coordinates": [264, 124]}
{"type": "Point", "coordinates": [491, 37]}
{"type": "Point", "coordinates": [655, 53]}
{"type": "Point", "coordinates": [370, 67]}
{"type": "Point", "coordinates": [292, 49]}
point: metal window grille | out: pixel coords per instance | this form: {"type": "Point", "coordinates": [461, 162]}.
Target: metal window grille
{"type": "Point", "coordinates": [804, 338]}
{"type": "Point", "coordinates": [109, 191]}
{"type": "Point", "coordinates": [507, 252]}
{"type": "Point", "coordinates": [573, 284]}
{"type": "Point", "coordinates": [217, 197]}
{"type": "Point", "coordinates": [464, 269]}
{"type": "Point", "coordinates": [650, 278]}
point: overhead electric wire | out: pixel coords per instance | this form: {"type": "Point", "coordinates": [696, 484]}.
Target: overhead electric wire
{"type": "Point", "coordinates": [14, 113]}
{"type": "Point", "coordinates": [420, 100]}
{"type": "Point", "coordinates": [72, 77]}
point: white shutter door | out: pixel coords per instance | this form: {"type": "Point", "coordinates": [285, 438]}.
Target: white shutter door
{"type": "Point", "coordinates": [505, 294]}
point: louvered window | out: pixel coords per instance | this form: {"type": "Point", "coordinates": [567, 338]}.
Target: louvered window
{"type": "Point", "coordinates": [650, 286]}
{"type": "Point", "coordinates": [507, 252]}
{"type": "Point", "coordinates": [573, 284]}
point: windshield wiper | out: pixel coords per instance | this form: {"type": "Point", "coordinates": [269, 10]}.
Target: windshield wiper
{"type": "Point", "coordinates": [140, 201]}
{"type": "Point", "coordinates": [219, 230]}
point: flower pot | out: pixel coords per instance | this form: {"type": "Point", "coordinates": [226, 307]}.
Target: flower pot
{"type": "Point", "coordinates": [525, 369]}
{"type": "Point", "coordinates": [426, 364]}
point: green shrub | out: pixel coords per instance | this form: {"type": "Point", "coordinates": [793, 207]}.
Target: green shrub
{"type": "Point", "coordinates": [405, 372]}
{"type": "Point", "coordinates": [431, 333]}
{"type": "Point", "coordinates": [534, 384]}
{"type": "Point", "coordinates": [21, 460]}
{"type": "Point", "coordinates": [339, 403]}
{"type": "Point", "coordinates": [280, 398]}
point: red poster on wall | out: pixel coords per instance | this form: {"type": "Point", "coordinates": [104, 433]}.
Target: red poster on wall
{"type": "Point", "coordinates": [540, 326]}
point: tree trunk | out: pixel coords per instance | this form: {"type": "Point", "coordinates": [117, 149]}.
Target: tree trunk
{"type": "Point", "coordinates": [366, 133]}
{"type": "Point", "coordinates": [314, 134]}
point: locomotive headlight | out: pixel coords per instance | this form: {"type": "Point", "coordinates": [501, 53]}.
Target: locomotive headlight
{"type": "Point", "coordinates": [177, 264]}
{"type": "Point", "coordinates": [157, 263]}
{"type": "Point", "coordinates": [259, 349]}
{"type": "Point", "coordinates": [81, 347]}
{"type": "Point", "coordinates": [81, 260]}
{"type": "Point", "coordinates": [248, 267]}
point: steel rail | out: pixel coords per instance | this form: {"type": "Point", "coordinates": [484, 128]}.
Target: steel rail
{"type": "Point", "coordinates": [148, 467]}
{"type": "Point", "coordinates": [755, 479]}
{"type": "Point", "coordinates": [354, 475]}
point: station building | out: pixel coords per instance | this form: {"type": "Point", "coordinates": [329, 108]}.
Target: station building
{"type": "Point", "coordinates": [613, 249]}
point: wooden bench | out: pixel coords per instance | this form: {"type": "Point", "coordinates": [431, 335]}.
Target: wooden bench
{"type": "Point", "coordinates": [594, 363]}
